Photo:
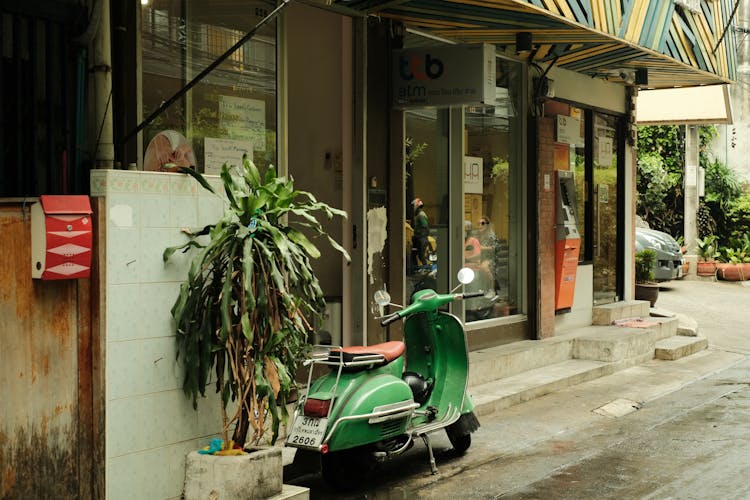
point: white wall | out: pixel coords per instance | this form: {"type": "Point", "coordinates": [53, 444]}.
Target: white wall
{"type": "Point", "coordinates": [315, 86]}
{"type": "Point", "coordinates": [583, 301]}
{"type": "Point", "coordinates": [150, 423]}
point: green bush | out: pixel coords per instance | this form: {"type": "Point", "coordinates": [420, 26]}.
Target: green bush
{"type": "Point", "coordinates": [738, 217]}
{"type": "Point", "coordinates": [644, 265]}
{"type": "Point", "coordinates": [655, 185]}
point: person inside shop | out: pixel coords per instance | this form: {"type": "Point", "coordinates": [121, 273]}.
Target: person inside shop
{"type": "Point", "coordinates": [494, 251]}
{"type": "Point", "coordinates": [421, 227]}
{"type": "Point", "coordinates": [487, 237]}
{"type": "Point", "coordinates": [472, 247]}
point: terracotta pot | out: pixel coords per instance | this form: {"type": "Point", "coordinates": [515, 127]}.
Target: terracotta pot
{"type": "Point", "coordinates": [704, 268]}
{"type": "Point", "coordinates": [647, 291]}
{"type": "Point", "coordinates": [731, 272]}
{"type": "Point", "coordinates": [685, 268]}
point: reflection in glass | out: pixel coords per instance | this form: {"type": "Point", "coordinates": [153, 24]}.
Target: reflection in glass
{"type": "Point", "coordinates": [232, 108]}
{"type": "Point", "coordinates": [426, 232]}
{"type": "Point", "coordinates": [605, 208]}
{"type": "Point", "coordinates": [492, 180]}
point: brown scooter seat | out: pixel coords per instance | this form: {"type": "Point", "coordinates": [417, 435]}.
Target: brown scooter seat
{"type": "Point", "coordinates": [389, 350]}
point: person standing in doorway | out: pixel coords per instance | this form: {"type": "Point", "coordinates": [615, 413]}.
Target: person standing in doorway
{"type": "Point", "coordinates": [421, 226]}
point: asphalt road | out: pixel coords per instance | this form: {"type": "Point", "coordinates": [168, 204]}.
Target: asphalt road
{"type": "Point", "coordinates": [690, 437]}
{"type": "Point", "coordinates": [692, 444]}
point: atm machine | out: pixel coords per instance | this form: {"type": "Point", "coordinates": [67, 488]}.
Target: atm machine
{"type": "Point", "coordinates": [568, 241]}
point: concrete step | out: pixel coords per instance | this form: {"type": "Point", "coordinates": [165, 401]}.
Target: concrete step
{"type": "Point", "coordinates": [608, 313]}
{"type": "Point", "coordinates": [504, 361]}
{"type": "Point", "coordinates": [499, 394]}
{"type": "Point", "coordinates": [662, 326]}
{"type": "Point", "coordinates": [292, 492]}
{"type": "Point", "coordinates": [614, 344]}
{"type": "Point", "coordinates": [507, 375]}
{"type": "Point", "coordinates": [679, 346]}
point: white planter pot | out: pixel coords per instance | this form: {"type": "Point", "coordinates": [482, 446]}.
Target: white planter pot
{"type": "Point", "coordinates": [255, 475]}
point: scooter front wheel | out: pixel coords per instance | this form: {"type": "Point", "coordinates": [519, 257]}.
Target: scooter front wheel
{"type": "Point", "coordinates": [460, 442]}
{"type": "Point", "coordinates": [459, 433]}
{"type": "Point", "coordinates": [346, 469]}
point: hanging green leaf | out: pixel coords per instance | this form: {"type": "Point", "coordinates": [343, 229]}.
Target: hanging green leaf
{"type": "Point", "coordinates": [250, 294]}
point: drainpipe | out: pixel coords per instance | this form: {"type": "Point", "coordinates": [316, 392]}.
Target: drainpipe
{"type": "Point", "coordinates": [101, 69]}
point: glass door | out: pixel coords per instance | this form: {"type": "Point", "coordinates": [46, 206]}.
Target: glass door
{"type": "Point", "coordinates": [427, 208]}
{"type": "Point", "coordinates": [605, 205]}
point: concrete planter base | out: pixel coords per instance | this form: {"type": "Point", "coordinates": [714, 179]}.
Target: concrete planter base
{"type": "Point", "coordinates": [255, 475]}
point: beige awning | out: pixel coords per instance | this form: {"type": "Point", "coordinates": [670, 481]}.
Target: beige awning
{"type": "Point", "coordinates": [694, 105]}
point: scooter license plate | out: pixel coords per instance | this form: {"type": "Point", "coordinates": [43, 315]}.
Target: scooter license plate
{"type": "Point", "coordinates": [307, 431]}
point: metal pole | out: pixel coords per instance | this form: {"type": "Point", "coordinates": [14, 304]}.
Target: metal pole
{"type": "Point", "coordinates": [101, 66]}
{"type": "Point", "coordinates": [692, 143]}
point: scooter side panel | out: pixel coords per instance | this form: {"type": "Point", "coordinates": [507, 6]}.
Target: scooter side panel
{"type": "Point", "coordinates": [364, 393]}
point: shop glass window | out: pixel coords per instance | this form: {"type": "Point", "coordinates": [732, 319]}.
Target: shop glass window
{"type": "Point", "coordinates": [233, 109]}
{"type": "Point", "coordinates": [593, 154]}
{"type": "Point", "coordinates": [493, 204]}
{"type": "Point", "coordinates": [606, 146]}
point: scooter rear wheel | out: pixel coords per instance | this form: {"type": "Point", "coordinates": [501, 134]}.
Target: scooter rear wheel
{"type": "Point", "coordinates": [346, 469]}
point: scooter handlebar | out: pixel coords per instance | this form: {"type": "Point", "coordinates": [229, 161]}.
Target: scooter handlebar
{"type": "Point", "coordinates": [390, 319]}
{"type": "Point", "coordinates": [471, 295]}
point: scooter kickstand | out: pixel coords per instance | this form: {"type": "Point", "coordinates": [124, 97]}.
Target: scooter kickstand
{"type": "Point", "coordinates": [433, 466]}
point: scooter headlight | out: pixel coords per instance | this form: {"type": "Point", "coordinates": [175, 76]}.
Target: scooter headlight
{"type": "Point", "coordinates": [317, 407]}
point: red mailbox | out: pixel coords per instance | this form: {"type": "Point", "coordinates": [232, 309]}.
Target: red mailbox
{"type": "Point", "coordinates": [61, 237]}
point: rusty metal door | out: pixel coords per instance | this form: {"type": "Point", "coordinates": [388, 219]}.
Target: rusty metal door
{"type": "Point", "coordinates": [46, 424]}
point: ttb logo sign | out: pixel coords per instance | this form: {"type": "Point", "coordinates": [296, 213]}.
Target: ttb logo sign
{"type": "Point", "coordinates": [415, 67]}
{"type": "Point", "coordinates": [444, 76]}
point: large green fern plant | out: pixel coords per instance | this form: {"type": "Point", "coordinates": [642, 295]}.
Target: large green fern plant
{"type": "Point", "coordinates": [246, 308]}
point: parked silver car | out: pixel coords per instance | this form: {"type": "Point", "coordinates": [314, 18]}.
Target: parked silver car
{"type": "Point", "coordinates": [668, 265]}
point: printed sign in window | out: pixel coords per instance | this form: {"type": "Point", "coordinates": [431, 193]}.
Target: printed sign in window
{"type": "Point", "coordinates": [604, 157]}
{"type": "Point", "coordinates": [473, 175]}
{"type": "Point", "coordinates": [244, 119]}
{"type": "Point", "coordinates": [220, 151]}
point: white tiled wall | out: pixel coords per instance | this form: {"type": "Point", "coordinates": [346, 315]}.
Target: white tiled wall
{"type": "Point", "coordinates": [150, 424]}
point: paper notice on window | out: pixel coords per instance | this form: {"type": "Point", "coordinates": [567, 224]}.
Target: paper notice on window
{"type": "Point", "coordinates": [220, 151]}
{"type": "Point", "coordinates": [244, 119]}
{"type": "Point", "coordinates": [604, 156]}
{"type": "Point", "coordinates": [473, 175]}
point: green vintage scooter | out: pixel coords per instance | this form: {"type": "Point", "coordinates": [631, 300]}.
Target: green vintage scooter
{"type": "Point", "coordinates": [375, 400]}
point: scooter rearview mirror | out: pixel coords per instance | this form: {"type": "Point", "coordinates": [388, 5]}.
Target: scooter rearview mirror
{"type": "Point", "coordinates": [465, 275]}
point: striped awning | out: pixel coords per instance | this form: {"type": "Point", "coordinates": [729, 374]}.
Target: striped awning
{"type": "Point", "coordinates": [600, 38]}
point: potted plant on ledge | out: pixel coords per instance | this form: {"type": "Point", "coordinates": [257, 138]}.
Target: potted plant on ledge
{"type": "Point", "coordinates": [246, 309]}
{"type": "Point", "coordinates": [645, 286]}
{"type": "Point", "coordinates": [735, 260]}
{"type": "Point", "coordinates": [707, 252]}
